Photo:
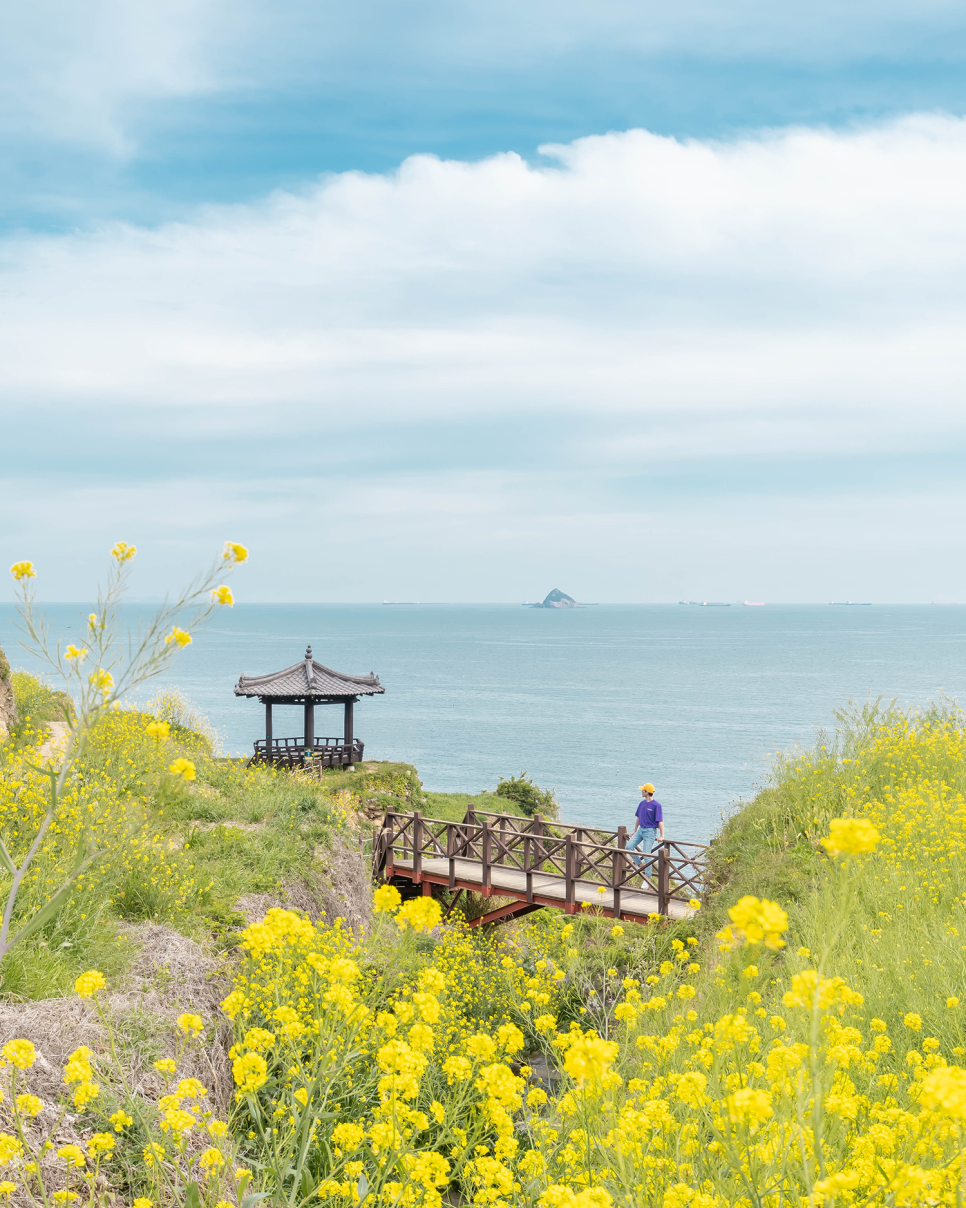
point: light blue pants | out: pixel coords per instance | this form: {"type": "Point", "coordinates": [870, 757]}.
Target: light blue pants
{"type": "Point", "coordinates": [645, 837]}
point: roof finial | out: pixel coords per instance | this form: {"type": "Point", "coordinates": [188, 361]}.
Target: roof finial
{"type": "Point", "coordinates": [308, 654]}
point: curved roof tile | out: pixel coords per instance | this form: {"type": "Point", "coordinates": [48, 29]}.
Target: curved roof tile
{"type": "Point", "coordinates": [308, 678]}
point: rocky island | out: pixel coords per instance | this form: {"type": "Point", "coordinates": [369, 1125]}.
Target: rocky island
{"type": "Point", "coordinates": [557, 599]}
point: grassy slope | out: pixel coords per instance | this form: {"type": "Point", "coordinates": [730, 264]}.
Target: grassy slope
{"type": "Point", "coordinates": [233, 832]}
{"type": "Point", "coordinates": [893, 923]}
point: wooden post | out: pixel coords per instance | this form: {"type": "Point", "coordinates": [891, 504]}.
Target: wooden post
{"type": "Point", "coordinates": [388, 824]}
{"type": "Point", "coordinates": [500, 858]}
{"type": "Point", "coordinates": [537, 831]}
{"type": "Point", "coordinates": [347, 726]}
{"type": "Point", "coordinates": [486, 888]}
{"type": "Point", "coordinates": [451, 853]}
{"type": "Point", "coordinates": [268, 731]}
{"type": "Point", "coordinates": [308, 738]}
{"type": "Point", "coordinates": [663, 880]}
{"type": "Point", "coordinates": [570, 879]}
{"type": "Point", "coordinates": [417, 846]}
{"type": "Point", "coordinates": [528, 866]}
{"type": "Point", "coordinates": [618, 879]}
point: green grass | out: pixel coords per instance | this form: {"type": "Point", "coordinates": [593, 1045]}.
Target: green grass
{"type": "Point", "coordinates": [452, 807]}
{"type": "Point", "coordinates": [37, 704]}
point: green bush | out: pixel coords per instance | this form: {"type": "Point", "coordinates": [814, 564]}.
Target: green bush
{"type": "Point", "coordinates": [529, 797]}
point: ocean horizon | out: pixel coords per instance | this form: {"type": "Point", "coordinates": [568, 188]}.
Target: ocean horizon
{"type": "Point", "coordinates": [589, 702]}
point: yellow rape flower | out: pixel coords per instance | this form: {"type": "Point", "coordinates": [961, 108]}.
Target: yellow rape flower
{"type": "Point", "coordinates": [589, 1058]}
{"type": "Point", "coordinates": [10, 1148]}
{"type": "Point", "coordinates": [191, 1025]}
{"type": "Point", "coordinates": [421, 914]}
{"type": "Point", "coordinates": [102, 681]}
{"type": "Point", "coordinates": [184, 768]}
{"type": "Point", "coordinates": [20, 1053]}
{"type": "Point", "coordinates": [73, 1155]}
{"type": "Point", "coordinates": [88, 984]}
{"type": "Point", "coordinates": [159, 730]}
{"type": "Point", "coordinates": [386, 900]}
{"type": "Point", "coordinates": [945, 1090]}
{"type": "Point", "coordinates": [222, 595]}
{"type": "Point", "coordinates": [234, 553]}
{"type": "Point", "coordinates": [749, 1106]}
{"type": "Point", "coordinates": [850, 836]}
{"type": "Point", "coordinates": [74, 654]}
{"type": "Point", "coordinates": [757, 922]}
{"type": "Point", "coordinates": [123, 552]}
{"type": "Point", "coordinates": [23, 570]}
{"type": "Point", "coordinates": [250, 1072]}
{"type": "Point", "coordinates": [179, 636]}
{"type": "Point", "coordinates": [29, 1105]}
{"type": "Point", "coordinates": [211, 1161]}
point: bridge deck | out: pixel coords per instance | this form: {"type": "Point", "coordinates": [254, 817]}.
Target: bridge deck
{"type": "Point", "coordinates": [548, 890]}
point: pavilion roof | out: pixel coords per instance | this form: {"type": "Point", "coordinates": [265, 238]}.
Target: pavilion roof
{"type": "Point", "coordinates": [308, 679]}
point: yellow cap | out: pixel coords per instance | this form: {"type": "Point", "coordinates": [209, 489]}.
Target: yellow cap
{"type": "Point", "coordinates": [647, 788]}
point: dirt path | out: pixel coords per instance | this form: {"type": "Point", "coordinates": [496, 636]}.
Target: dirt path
{"type": "Point", "coordinates": [55, 743]}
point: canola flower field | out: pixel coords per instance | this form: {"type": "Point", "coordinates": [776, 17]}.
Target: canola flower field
{"type": "Point", "coordinates": [800, 1050]}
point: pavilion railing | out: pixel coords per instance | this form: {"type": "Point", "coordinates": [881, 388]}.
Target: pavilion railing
{"type": "Point", "coordinates": [570, 855]}
{"type": "Point", "coordinates": [294, 753]}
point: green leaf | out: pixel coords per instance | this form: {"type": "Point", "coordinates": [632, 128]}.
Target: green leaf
{"type": "Point", "coordinates": [253, 1197]}
{"type": "Point", "coordinates": [192, 1198]}
{"type": "Point", "coordinates": [44, 915]}
{"type": "Point", "coordinates": [5, 859]}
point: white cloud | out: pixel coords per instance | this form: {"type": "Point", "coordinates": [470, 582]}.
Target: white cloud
{"type": "Point", "coordinates": [78, 72]}
{"type": "Point", "coordinates": [627, 273]}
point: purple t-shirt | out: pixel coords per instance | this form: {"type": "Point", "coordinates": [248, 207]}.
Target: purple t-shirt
{"type": "Point", "coordinates": [649, 814]}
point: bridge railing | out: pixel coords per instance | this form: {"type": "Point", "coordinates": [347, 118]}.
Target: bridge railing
{"type": "Point", "coordinates": [591, 856]}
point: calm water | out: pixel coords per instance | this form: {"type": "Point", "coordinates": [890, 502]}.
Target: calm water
{"type": "Point", "coordinates": [590, 702]}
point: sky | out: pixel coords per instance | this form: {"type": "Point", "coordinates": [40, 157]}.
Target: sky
{"type": "Point", "coordinates": [463, 301]}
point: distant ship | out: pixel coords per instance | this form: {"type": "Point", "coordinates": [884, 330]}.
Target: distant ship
{"type": "Point", "coordinates": [754, 603]}
{"type": "Point", "coordinates": [714, 604]}
{"type": "Point", "coordinates": [850, 603]}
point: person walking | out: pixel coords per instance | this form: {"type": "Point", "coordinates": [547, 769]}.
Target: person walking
{"type": "Point", "coordinates": [650, 823]}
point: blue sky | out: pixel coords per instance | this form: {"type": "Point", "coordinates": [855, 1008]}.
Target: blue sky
{"type": "Point", "coordinates": [643, 301]}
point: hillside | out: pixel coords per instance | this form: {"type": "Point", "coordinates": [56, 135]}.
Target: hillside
{"type": "Point", "coordinates": [798, 1043]}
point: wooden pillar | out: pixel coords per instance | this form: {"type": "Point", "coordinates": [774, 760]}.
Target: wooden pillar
{"type": "Point", "coordinates": [570, 876]}
{"type": "Point", "coordinates": [663, 880]}
{"type": "Point", "coordinates": [486, 887]}
{"type": "Point", "coordinates": [389, 831]}
{"type": "Point", "coordinates": [268, 729]}
{"type": "Point", "coordinates": [309, 738]}
{"type": "Point", "coordinates": [347, 733]}
{"type": "Point", "coordinates": [619, 870]}
{"type": "Point", "coordinates": [417, 846]}
{"type": "Point", "coordinates": [451, 853]}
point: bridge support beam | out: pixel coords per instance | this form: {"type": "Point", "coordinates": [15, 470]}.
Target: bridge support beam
{"type": "Point", "coordinates": [516, 910]}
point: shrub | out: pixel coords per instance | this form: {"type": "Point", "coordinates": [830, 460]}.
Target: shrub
{"type": "Point", "coordinates": [529, 797]}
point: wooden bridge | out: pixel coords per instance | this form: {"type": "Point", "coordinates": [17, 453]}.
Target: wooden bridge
{"type": "Point", "coordinates": [538, 863]}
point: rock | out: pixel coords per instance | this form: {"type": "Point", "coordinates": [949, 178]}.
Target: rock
{"type": "Point", "coordinates": [557, 599]}
{"type": "Point", "coordinates": [8, 706]}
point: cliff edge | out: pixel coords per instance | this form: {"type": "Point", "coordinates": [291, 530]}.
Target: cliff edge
{"type": "Point", "coordinates": [8, 707]}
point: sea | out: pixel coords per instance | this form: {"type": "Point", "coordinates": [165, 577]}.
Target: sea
{"type": "Point", "coordinates": [590, 702]}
